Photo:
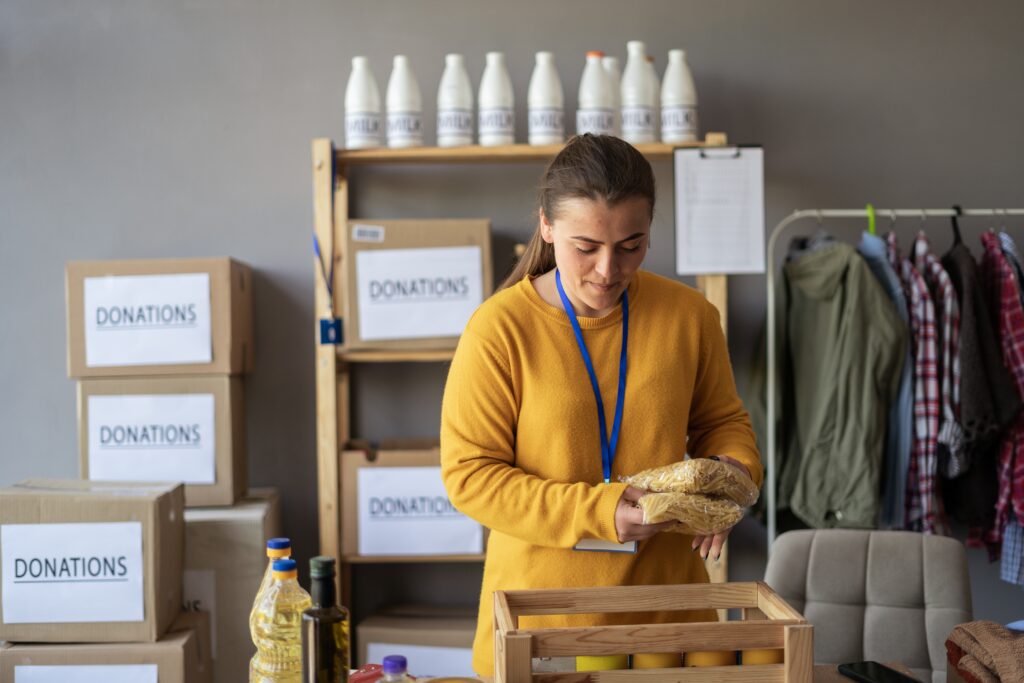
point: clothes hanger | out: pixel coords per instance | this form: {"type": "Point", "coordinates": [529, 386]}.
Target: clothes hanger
{"type": "Point", "coordinates": [956, 224]}
{"type": "Point", "coordinates": [871, 218]}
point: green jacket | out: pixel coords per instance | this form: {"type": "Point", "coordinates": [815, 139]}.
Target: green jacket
{"type": "Point", "coordinates": [844, 350]}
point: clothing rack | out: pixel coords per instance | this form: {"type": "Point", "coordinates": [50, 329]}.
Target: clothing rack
{"type": "Point", "coordinates": [818, 214]}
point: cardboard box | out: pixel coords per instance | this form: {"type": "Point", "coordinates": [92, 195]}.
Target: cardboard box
{"type": "Point", "coordinates": [85, 561]}
{"type": "Point", "coordinates": [394, 503]}
{"type": "Point", "coordinates": [437, 641]}
{"type": "Point", "coordinates": [225, 557]}
{"type": "Point", "coordinates": [412, 284]}
{"type": "Point", "coordinates": [176, 429]}
{"type": "Point", "coordinates": [182, 656]}
{"type": "Point", "coordinates": [159, 317]}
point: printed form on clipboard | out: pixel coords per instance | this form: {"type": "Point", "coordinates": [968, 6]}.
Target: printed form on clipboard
{"type": "Point", "coordinates": [719, 196]}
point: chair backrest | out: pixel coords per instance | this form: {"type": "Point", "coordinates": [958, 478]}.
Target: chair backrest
{"type": "Point", "coordinates": [887, 596]}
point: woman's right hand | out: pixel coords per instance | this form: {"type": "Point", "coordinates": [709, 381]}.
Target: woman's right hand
{"type": "Point", "coordinates": [629, 519]}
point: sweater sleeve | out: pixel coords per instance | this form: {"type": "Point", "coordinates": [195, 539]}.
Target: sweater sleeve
{"type": "Point", "coordinates": [478, 436]}
{"type": "Point", "coordinates": [719, 425]}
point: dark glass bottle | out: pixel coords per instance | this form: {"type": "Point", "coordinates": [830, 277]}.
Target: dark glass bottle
{"type": "Point", "coordinates": [325, 629]}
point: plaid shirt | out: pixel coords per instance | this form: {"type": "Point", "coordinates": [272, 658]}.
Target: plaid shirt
{"type": "Point", "coordinates": [952, 455]}
{"type": "Point", "coordinates": [1004, 291]}
{"type": "Point", "coordinates": [923, 507]}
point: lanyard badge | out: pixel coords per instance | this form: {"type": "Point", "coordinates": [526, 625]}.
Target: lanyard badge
{"type": "Point", "coordinates": [608, 442]}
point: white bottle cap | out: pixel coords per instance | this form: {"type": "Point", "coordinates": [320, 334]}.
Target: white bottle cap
{"type": "Point", "coordinates": [545, 58]}
{"type": "Point", "coordinates": [453, 59]}
{"type": "Point", "coordinates": [401, 60]}
{"type": "Point", "coordinates": [677, 55]}
{"type": "Point", "coordinates": [360, 62]}
{"type": "Point", "coordinates": [636, 47]}
{"type": "Point", "coordinates": [495, 58]}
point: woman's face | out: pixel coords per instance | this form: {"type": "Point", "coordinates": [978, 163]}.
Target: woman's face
{"type": "Point", "coordinates": [597, 249]}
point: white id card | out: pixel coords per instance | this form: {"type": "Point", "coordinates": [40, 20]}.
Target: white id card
{"type": "Point", "coordinates": [596, 544]}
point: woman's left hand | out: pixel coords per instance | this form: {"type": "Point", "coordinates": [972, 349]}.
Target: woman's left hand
{"type": "Point", "coordinates": [711, 546]}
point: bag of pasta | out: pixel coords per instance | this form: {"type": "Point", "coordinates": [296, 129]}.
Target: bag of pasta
{"type": "Point", "coordinates": [695, 514]}
{"type": "Point", "coordinates": [699, 475]}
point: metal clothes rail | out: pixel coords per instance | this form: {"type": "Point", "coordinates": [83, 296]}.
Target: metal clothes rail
{"type": "Point", "coordinates": [819, 214]}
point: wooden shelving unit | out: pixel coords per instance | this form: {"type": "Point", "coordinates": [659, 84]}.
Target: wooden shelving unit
{"type": "Point", "coordinates": [333, 363]}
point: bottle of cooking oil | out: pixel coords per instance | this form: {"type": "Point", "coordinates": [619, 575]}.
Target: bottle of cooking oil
{"type": "Point", "coordinates": [325, 628]}
{"type": "Point", "coordinates": [277, 630]}
{"type": "Point", "coordinates": [277, 549]}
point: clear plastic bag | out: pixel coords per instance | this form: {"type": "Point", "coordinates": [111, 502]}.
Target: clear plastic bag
{"type": "Point", "coordinates": [696, 514]}
{"type": "Point", "coordinates": [699, 475]}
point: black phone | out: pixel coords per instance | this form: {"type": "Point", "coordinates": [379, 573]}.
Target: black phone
{"type": "Point", "coordinates": [873, 672]}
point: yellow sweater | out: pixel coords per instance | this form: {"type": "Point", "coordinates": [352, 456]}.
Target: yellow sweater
{"type": "Point", "coordinates": [520, 450]}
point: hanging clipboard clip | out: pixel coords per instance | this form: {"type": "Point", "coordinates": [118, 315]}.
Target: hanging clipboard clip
{"type": "Point", "coordinates": [730, 152]}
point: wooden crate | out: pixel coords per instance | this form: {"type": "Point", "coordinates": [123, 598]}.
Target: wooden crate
{"type": "Point", "coordinates": [767, 622]}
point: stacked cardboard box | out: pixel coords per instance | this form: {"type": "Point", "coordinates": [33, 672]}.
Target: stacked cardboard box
{"type": "Point", "coordinates": [159, 347]}
{"type": "Point", "coordinates": [437, 641]}
{"type": "Point", "coordinates": [225, 557]}
{"type": "Point", "coordinates": [93, 564]}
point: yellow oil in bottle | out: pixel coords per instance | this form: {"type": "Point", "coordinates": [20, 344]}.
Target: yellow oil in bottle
{"type": "Point", "coordinates": [277, 629]}
{"type": "Point", "coordinates": [277, 549]}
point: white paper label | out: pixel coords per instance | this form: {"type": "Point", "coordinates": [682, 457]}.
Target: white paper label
{"type": "Point", "coordinates": [406, 511]}
{"type": "Point", "coordinates": [406, 127]}
{"type": "Point", "coordinates": [147, 320]}
{"type": "Point", "coordinates": [72, 573]}
{"type": "Point", "coordinates": [199, 594]}
{"type": "Point", "coordinates": [417, 293]}
{"type": "Point", "coordinates": [362, 128]}
{"type": "Point", "coordinates": [367, 233]}
{"type": "Point", "coordinates": [679, 121]}
{"type": "Point", "coordinates": [637, 121]}
{"type": "Point", "coordinates": [160, 437]}
{"type": "Point", "coordinates": [109, 673]}
{"type": "Point", "coordinates": [455, 123]}
{"type": "Point", "coordinates": [546, 122]}
{"type": "Point", "coordinates": [596, 121]}
{"type": "Point", "coordinates": [426, 661]}
{"type": "Point", "coordinates": [497, 121]}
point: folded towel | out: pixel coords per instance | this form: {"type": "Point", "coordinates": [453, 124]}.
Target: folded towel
{"type": "Point", "coordinates": [991, 652]}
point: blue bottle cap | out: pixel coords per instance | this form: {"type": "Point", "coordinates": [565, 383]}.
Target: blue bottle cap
{"type": "Point", "coordinates": [278, 543]}
{"type": "Point", "coordinates": [286, 565]}
{"type": "Point", "coordinates": [395, 664]}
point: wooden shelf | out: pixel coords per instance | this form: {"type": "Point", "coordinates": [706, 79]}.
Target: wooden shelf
{"type": "Point", "coordinates": [396, 356]}
{"type": "Point", "coordinates": [411, 559]}
{"type": "Point", "coordinates": [475, 154]}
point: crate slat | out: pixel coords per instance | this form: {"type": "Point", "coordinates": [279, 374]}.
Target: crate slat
{"type": "Point", "coordinates": [768, 673]}
{"type": "Point", "coordinates": [633, 638]}
{"type": "Point", "coordinates": [772, 604]}
{"type": "Point", "coordinates": [633, 598]}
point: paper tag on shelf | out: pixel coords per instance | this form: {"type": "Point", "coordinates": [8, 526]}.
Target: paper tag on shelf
{"type": "Point", "coordinates": [367, 233]}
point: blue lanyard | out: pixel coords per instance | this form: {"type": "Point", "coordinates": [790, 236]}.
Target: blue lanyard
{"type": "Point", "coordinates": [608, 444]}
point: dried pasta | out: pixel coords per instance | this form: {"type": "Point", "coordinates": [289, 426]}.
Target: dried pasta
{"type": "Point", "coordinates": [699, 475]}
{"type": "Point", "coordinates": [696, 514]}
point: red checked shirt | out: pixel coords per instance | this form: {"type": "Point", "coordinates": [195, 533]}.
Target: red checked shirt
{"type": "Point", "coordinates": [1002, 284]}
{"type": "Point", "coordinates": [922, 502]}
{"type": "Point", "coordinates": [952, 458]}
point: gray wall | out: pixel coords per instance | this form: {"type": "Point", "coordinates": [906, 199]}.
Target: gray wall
{"type": "Point", "coordinates": [155, 129]}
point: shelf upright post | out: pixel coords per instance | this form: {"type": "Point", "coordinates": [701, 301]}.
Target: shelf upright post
{"type": "Point", "coordinates": [327, 426]}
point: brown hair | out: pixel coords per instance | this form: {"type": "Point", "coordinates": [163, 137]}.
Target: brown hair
{"type": "Point", "coordinates": [590, 167]}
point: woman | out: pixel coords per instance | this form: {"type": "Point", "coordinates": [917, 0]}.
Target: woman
{"type": "Point", "coordinates": [522, 449]}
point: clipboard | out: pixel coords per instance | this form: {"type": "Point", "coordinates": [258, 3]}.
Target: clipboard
{"type": "Point", "coordinates": [719, 210]}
